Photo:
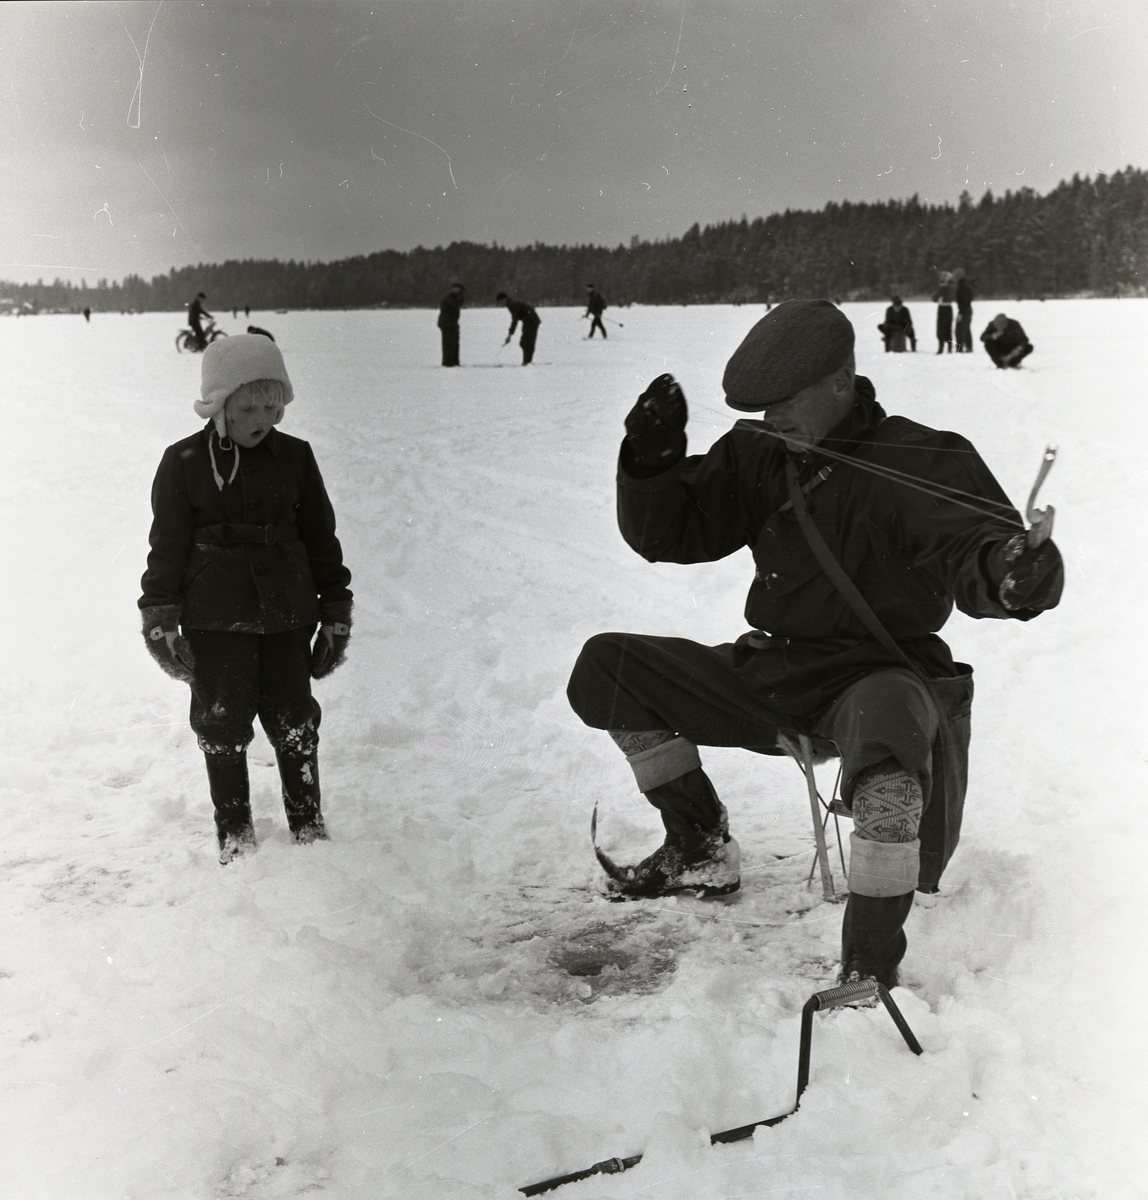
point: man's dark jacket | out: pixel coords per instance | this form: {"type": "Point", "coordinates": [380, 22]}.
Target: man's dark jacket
{"type": "Point", "coordinates": [912, 555]}
{"type": "Point", "coordinates": [595, 304]}
{"type": "Point", "coordinates": [896, 319]}
{"type": "Point", "coordinates": [1000, 343]}
{"type": "Point", "coordinates": [195, 314]}
{"type": "Point", "coordinates": [261, 555]}
{"type": "Point", "coordinates": [449, 308]}
{"type": "Point", "coordinates": [521, 311]}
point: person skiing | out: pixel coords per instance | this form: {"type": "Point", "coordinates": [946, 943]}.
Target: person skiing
{"type": "Point", "coordinates": [918, 523]}
{"type": "Point", "coordinates": [244, 564]}
{"type": "Point", "coordinates": [964, 313]}
{"type": "Point", "coordinates": [195, 315]}
{"type": "Point", "coordinates": [521, 311]}
{"type": "Point", "coordinates": [897, 326]}
{"type": "Point", "coordinates": [449, 308]}
{"type": "Point", "coordinates": [595, 306]}
{"type": "Point", "coordinates": [943, 298]}
{"type": "Point", "coordinates": [1006, 341]}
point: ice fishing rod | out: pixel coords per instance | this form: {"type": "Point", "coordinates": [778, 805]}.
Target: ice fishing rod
{"type": "Point", "coordinates": [847, 993]}
{"type": "Point", "coordinates": [1040, 519]}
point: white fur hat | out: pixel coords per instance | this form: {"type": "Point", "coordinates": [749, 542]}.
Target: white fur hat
{"type": "Point", "coordinates": [230, 362]}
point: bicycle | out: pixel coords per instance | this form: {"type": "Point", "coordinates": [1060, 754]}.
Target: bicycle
{"type": "Point", "coordinates": [186, 339]}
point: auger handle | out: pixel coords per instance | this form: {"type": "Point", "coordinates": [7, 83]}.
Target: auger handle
{"type": "Point", "coordinates": [847, 993]}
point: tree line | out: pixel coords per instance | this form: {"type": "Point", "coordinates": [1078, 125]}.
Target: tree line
{"type": "Point", "coordinates": [1086, 237]}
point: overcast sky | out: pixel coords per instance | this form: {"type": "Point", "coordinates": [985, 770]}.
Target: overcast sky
{"type": "Point", "coordinates": [139, 136]}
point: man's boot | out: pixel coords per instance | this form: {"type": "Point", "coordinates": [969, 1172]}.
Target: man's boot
{"type": "Point", "coordinates": [698, 854]}
{"type": "Point", "coordinates": [299, 774]}
{"type": "Point", "coordinates": [884, 864]}
{"type": "Point", "coordinates": [231, 796]}
{"type": "Point", "coordinates": [873, 941]}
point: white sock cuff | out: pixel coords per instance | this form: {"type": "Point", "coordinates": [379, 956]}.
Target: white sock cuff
{"type": "Point", "coordinates": [662, 763]}
{"type": "Point", "coordinates": [883, 868]}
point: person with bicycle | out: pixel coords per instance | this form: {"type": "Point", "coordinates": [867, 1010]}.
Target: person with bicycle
{"type": "Point", "coordinates": [195, 316]}
{"type": "Point", "coordinates": [829, 494]}
{"type": "Point", "coordinates": [244, 565]}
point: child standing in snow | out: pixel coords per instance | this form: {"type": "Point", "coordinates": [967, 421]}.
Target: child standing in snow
{"type": "Point", "coordinates": [244, 564]}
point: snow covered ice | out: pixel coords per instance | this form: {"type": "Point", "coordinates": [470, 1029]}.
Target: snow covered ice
{"type": "Point", "coordinates": [437, 1003]}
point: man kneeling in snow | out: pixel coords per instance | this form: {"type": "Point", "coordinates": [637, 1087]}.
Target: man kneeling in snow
{"type": "Point", "coordinates": [916, 521]}
{"type": "Point", "coordinates": [245, 562]}
{"type": "Point", "coordinates": [1006, 341]}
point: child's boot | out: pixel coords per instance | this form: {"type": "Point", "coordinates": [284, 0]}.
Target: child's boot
{"type": "Point", "coordinates": [231, 796]}
{"type": "Point", "coordinates": [299, 774]}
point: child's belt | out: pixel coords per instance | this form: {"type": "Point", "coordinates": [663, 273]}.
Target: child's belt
{"type": "Point", "coordinates": [236, 534]}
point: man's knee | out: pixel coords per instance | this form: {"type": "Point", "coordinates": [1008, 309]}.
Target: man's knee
{"type": "Point", "coordinates": [885, 855]}
{"type": "Point", "coordinates": [599, 662]}
{"type": "Point", "coordinates": [888, 714]}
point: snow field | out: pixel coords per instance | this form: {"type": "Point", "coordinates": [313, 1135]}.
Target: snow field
{"type": "Point", "coordinates": [407, 1011]}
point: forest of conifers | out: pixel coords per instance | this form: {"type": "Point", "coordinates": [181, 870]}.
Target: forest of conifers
{"type": "Point", "coordinates": [1086, 237]}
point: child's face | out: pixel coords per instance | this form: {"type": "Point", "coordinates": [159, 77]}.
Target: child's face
{"type": "Point", "coordinates": [250, 417]}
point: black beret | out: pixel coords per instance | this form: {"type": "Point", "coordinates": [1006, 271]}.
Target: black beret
{"type": "Point", "coordinates": [791, 347]}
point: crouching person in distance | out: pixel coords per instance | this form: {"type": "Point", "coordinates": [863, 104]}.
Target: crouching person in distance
{"type": "Point", "coordinates": [1006, 341]}
{"type": "Point", "coordinates": [244, 564]}
{"type": "Point", "coordinates": [895, 708]}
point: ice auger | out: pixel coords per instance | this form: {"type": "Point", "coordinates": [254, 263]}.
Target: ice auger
{"type": "Point", "coordinates": [847, 993]}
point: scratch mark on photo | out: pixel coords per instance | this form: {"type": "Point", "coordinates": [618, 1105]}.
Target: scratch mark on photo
{"type": "Point", "coordinates": [679, 46]}
{"type": "Point", "coordinates": [137, 96]}
{"type": "Point", "coordinates": [413, 134]}
{"type": "Point", "coordinates": [170, 209]}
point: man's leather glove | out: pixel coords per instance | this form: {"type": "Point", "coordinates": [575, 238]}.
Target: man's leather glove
{"type": "Point", "coordinates": [166, 644]}
{"type": "Point", "coordinates": [1030, 578]}
{"type": "Point", "coordinates": [656, 429]}
{"type": "Point", "coordinates": [330, 646]}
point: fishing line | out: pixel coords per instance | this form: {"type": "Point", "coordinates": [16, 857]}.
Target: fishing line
{"type": "Point", "coordinates": [891, 474]}
{"type": "Point", "coordinates": [929, 487]}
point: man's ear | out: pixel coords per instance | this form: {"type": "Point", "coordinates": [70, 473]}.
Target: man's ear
{"type": "Point", "coordinates": [844, 375]}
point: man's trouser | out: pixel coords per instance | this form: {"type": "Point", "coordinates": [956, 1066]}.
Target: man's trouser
{"type": "Point", "coordinates": [707, 694]}
{"type": "Point", "coordinates": [596, 323]}
{"type": "Point", "coordinates": [529, 337]}
{"type": "Point", "coordinates": [449, 345]}
{"type": "Point", "coordinates": [965, 331]}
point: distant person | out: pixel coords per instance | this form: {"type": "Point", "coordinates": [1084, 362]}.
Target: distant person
{"type": "Point", "coordinates": [195, 314]}
{"type": "Point", "coordinates": [87, 314]}
{"type": "Point", "coordinates": [943, 297]}
{"type": "Point", "coordinates": [247, 310]}
{"type": "Point", "coordinates": [897, 327]}
{"type": "Point", "coordinates": [243, 566]}
{"type": "Point", "coordinates": [449, 308]}
{"type": "Point", "coordinates": [595, 307]}
{"type": "Point", "coordinates": [1006, 342]}
{"type": "Point", "coordinates": [521, 311]}
{"type": "Point", "coordinates": [964, 313]}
